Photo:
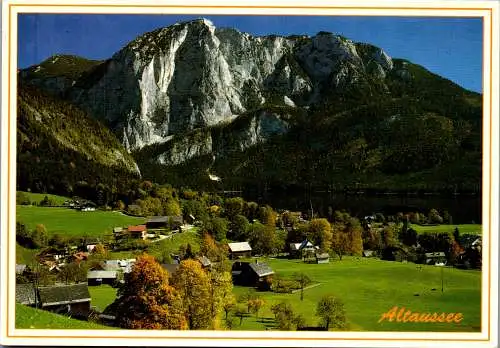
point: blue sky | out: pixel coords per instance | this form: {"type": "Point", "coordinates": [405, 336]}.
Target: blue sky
{"type": "Point", "coordinates": [451, 47]}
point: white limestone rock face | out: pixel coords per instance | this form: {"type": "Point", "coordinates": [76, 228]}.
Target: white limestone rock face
{"type": "Point", "coordinates": [192, 75]}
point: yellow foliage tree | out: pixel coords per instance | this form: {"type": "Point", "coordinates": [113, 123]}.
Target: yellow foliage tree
{"type": "Point", "coordinates": [147, 301]}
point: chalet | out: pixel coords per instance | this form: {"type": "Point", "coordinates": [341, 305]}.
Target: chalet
{"type": "Point", "coordinates": [322, 258]}
{"type": "Point", "coordinates": [170, 222]}
{"type": "Point", "coordinates": [302, 250]}
{"type": "Point", "coordinates": [435, 258]}
{"type": "Point", "coordinates": [250, 273]}
{"type": "Point", "coordinates": [26, 294]}
{"type": "Point", "coordinates": [137, 232]}
{"type": "Point", "coordinates": [101, 277]}
{"type": "Point", "coordinates": [237, 250]}
{"type": "Point", "coordinates": [66, 299]}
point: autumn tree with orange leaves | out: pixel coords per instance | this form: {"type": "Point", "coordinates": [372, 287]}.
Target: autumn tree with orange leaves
{"type": "Point", "coordinates": [147, 301]}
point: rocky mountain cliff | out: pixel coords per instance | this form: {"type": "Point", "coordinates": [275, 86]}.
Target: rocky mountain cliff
{"type": "Point", "coordinates": [194, 95]}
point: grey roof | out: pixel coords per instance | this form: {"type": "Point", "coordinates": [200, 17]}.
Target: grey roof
{"type": "Point", "coordinates": [322, 256]}
{"type": "Point", "coordinates": [64, 294]}
{"type": "Point", "coordinates": [25, 294]}
{"type": "Point", "coordinates": [101, 274]}
{"type": "Point", "coordinates": [20, 268]}
{"type": "Point", "coordinates": [241, 246]}
{"type": "Point", "coordinates": [165, 219]}
{"type": "Point", "coordinates": [205, 261]}
{"type": "Point", "coordinates": [262, 269]}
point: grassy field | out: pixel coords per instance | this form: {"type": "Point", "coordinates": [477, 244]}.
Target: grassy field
{"type": "Point", "coordinates": [73, 223]}
{"type": "Point", "coordinates": [37, 197]}
{"type": "Point", "coordinates": [463, 229]}
{"type": "Point", "coordinates": [24, 255]}
{"type": "Point", "coordinates": [370, 287]}
{"type": "Point", "coordinates": [102, 296]}
{"type": "Point", "coordinates": [171, 245]}
{"type": "Point", "coordinates": [31, 318]}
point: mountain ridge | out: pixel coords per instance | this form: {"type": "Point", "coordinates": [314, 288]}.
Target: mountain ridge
{"type": "Point", "coordinates": [191, 90]}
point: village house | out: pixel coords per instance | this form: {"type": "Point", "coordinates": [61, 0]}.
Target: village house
{"type": "Point", "coordinates": [304, 250]}
{"type": "Point", "coordinates": [66, 299]}
{"type": "Point", "coordinates": [435, 258]}
{"type": "Point", "coordinates": [137, 232]}
{"type": "Point", "coordinates": [165, 222]}
{"type": "Point", "coordinates": [237, 250]}
{"type": "Point", "coordinates": [251, 273]}
{"type": "Point", "coordinates": [101, 277]}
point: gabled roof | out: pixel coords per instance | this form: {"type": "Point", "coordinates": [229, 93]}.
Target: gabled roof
{"type": "Point", "coordinates": [25, 294]}
{"type": "Point", "coordinates": [138, 228]}
{"type": "Point", "coordinates": [305, 244]}
{"type": "Point", "coordinates": [101, 274]}
{"type": "Point", "coordinates": [165, 219]}
{"type": "Point", "coordinates": [295, 246]}
{"type": "Point", "coordinates": [238, 247]}
{"type": "Point", "coordinates": [117, 229]}
{"type": "Point", "coordinates": [261, 269]}
{"type": "Point", "coordinates": [322, 256]}
{"type": "Point", "coordinates": [205, 261]}
{"type": "Point", "coordinates": [64, 294]}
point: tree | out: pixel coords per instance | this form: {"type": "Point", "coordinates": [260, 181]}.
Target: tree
{"type": "Point", "coordinates": [218, 228]}
{"type": "Point", "coordinates": [233, 207]}
{"type": "Point", "coordinates": [264, 239]}
{"type": "Point", "coordinates": [239, 228]}
{"type": "Point", "coordinates": [221, 291]}
{"type": "Point", "coordinates": [40, 236]}
{"type": "Point", "coordinates": [321, 233]}
{"type": "Point", "coordinates": [340, 241]}
{"type": "Point", "coordinates": [286, 317]}
{"type": "Point", "coordinates": [255, 305]}
{"type": "Point", "coordinates": [408, 237]}
{"type": "Point", "coordinates": [73, 272]}
{"type": "Point", "coordinates": [229, 304]}
{"type": "Point", "coordinates": [331, 310]}
{"type": "Point", "coordinates": [100, 251]}
{"type": "Point", "coordinates": [147, 301]}
{"type": "Point", "coordinates": [303, 280]}
{"type": "Point", "coordinates": [434, 217]}
{"type": "Point", "coordinates": [193, 284]}
{"type": "Point", "coordinates": [241, 312]}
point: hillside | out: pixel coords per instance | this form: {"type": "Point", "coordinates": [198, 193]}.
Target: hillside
{"type": "Point", "coordinates": [61, 149]}
{"type": "Point", "coordinates": [31, 318]}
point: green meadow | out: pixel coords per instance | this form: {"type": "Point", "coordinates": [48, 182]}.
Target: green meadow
{"type": "Point", "coordinates": [463, 229]}
{"type": "Point", "coordinates": [102, 296]}
{"type": "Point", "coordinates": [73, 223]}
{"type": "Point", "coordinates": [35, 198]}
{"type": "Point", "coordinates": [371, 287]}
{"type": "Point", "coordinates": [32, 318]}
